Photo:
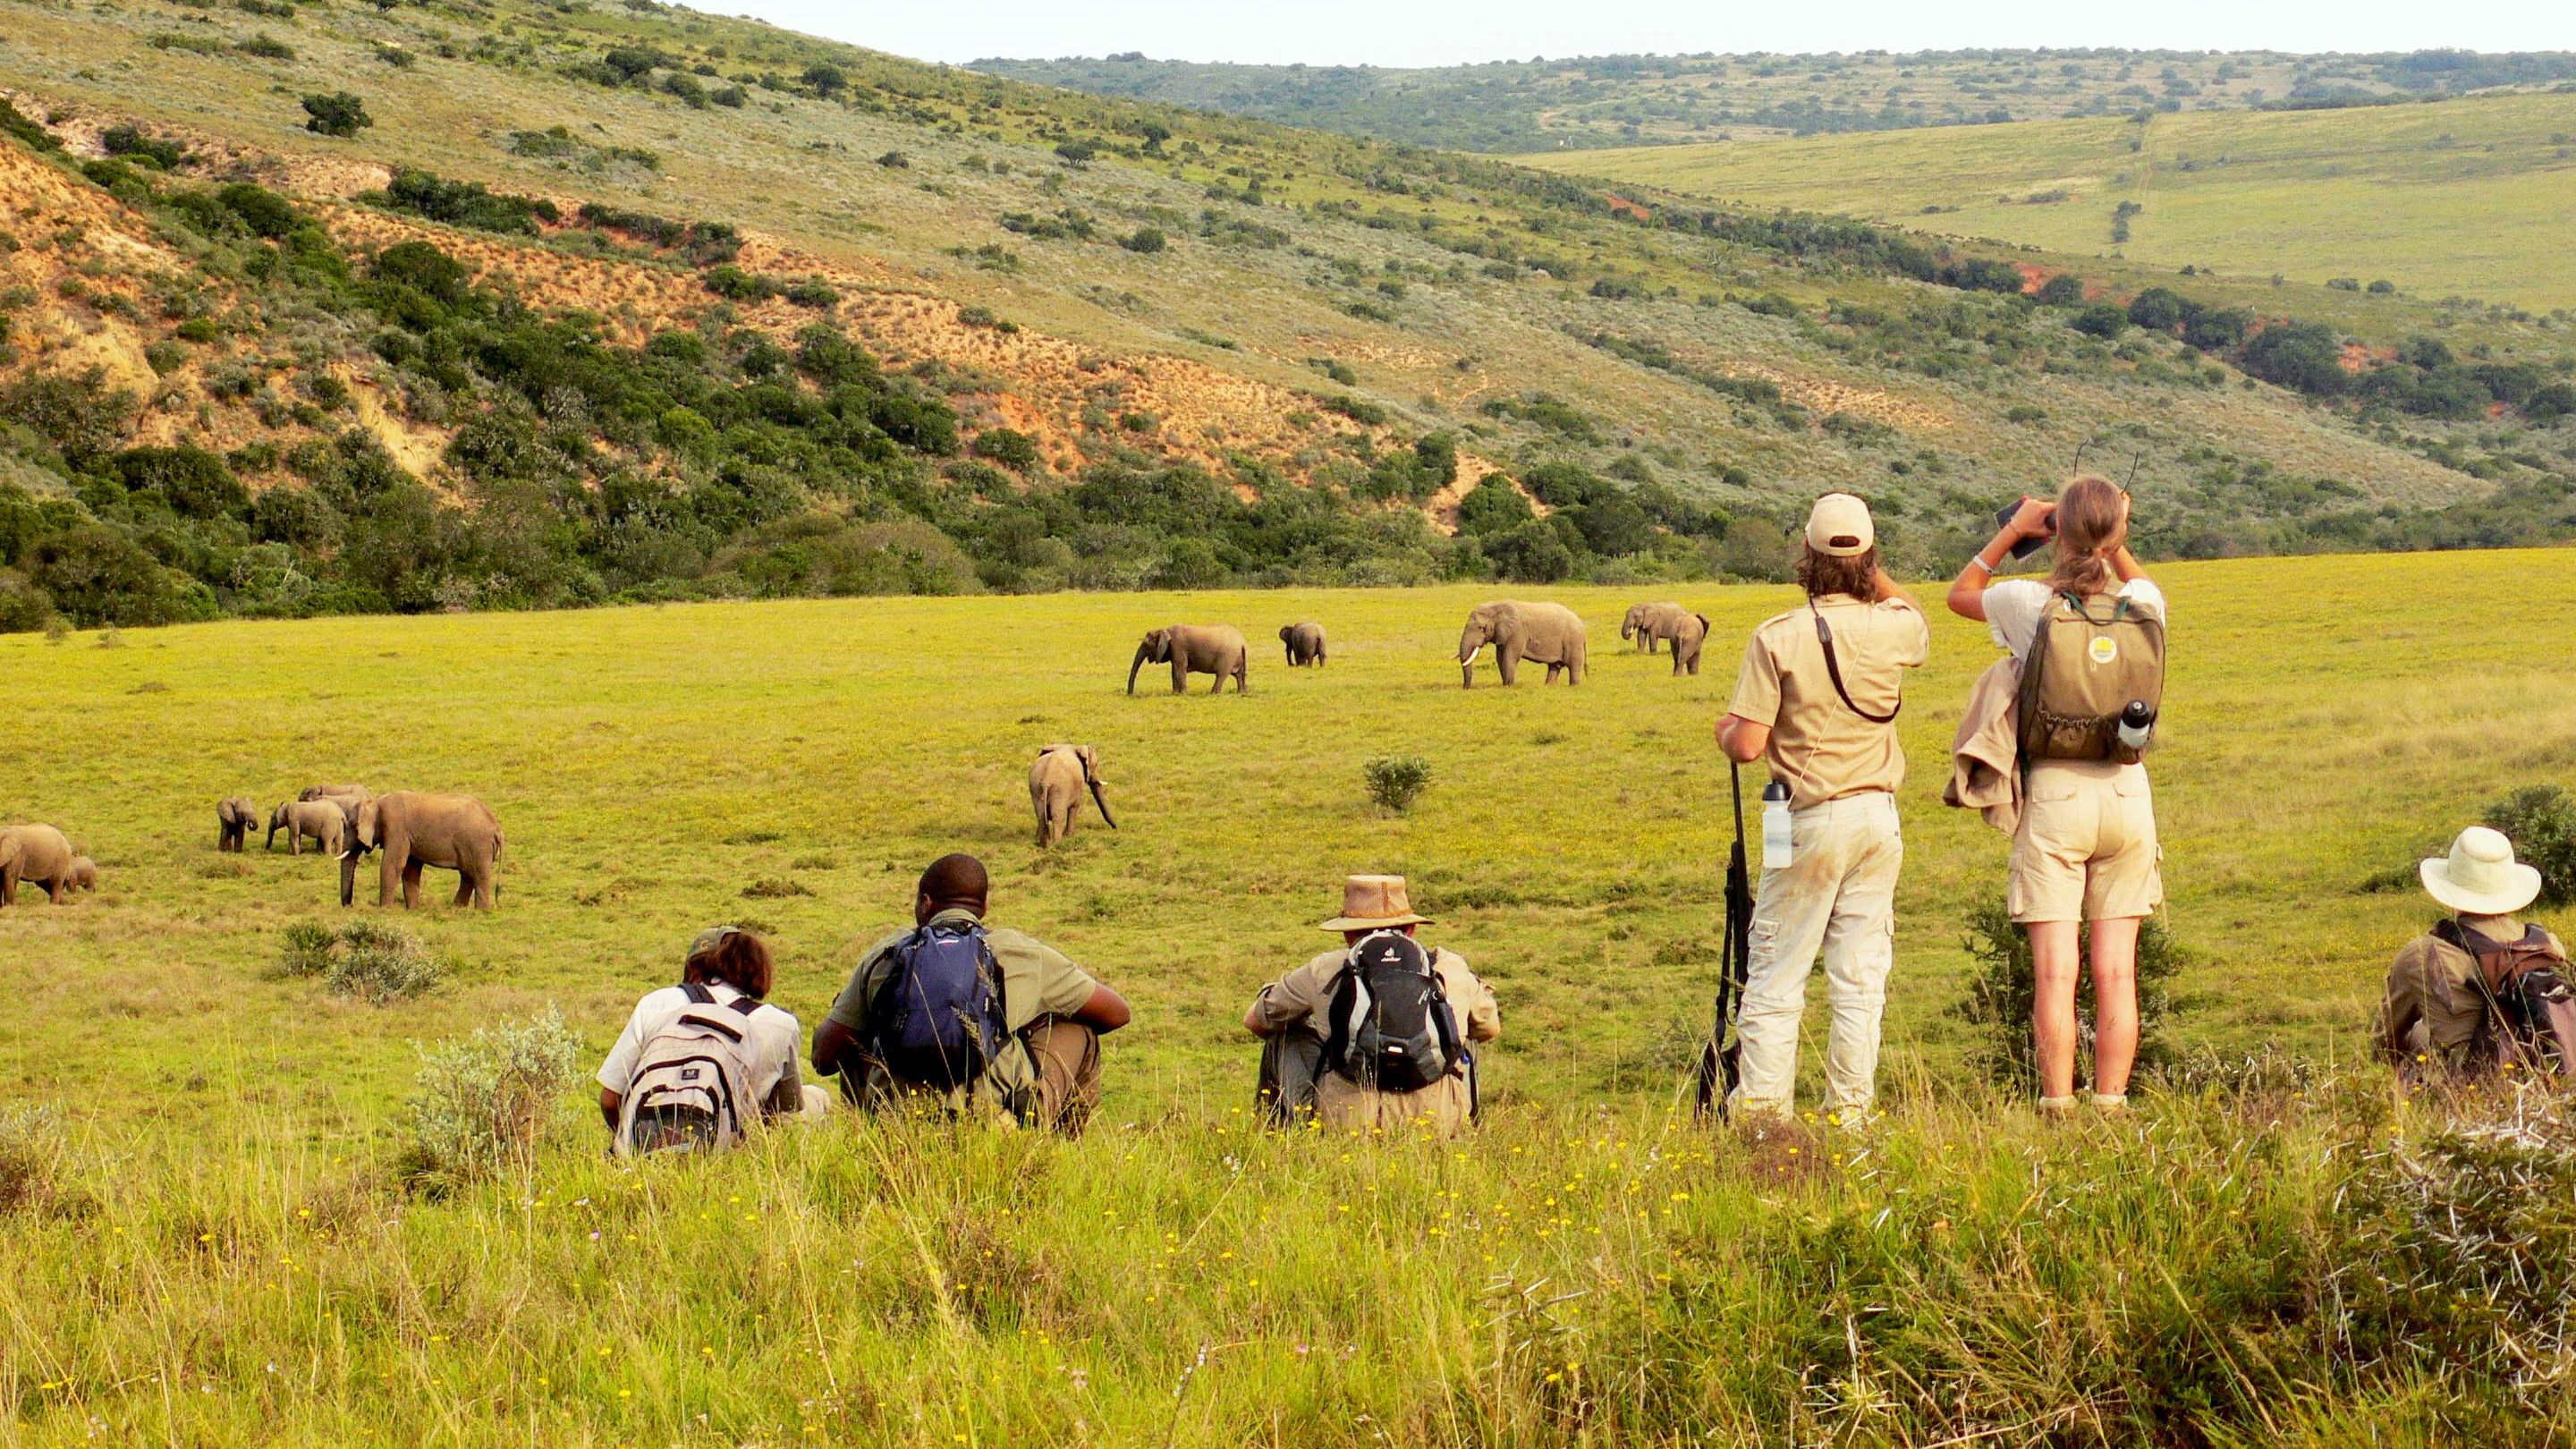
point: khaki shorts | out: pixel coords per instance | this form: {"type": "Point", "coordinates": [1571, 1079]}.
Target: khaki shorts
{"type": "Point", "coordinates": [2086, 849]}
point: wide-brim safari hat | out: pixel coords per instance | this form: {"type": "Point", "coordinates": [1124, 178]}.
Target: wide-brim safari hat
{"type": "Point", "coordinates": [2480, 877]}
{"type": "Point", "coordinates": [1375, 903]}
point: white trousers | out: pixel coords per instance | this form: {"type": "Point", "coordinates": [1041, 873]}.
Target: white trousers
{"type": "Point", "coordinates": [1838, 895]}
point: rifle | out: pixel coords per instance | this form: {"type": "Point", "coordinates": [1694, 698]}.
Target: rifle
{"type": "Point", "coordinates": [1717, 1058]}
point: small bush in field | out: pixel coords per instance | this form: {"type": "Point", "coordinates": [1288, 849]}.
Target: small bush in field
{"type": "Point", "coordinates": [1396, 781]}
{"type": "Point", "coordinates": [2001, 992]}
{"type": "Point", "coordinates": [2540, 820]}
{"type": "Point", "coordinates": [482, 1102]}
{"type": "Point", "coordinates": [31, 1156]}
{"type": "Point", "coordinates": [368, 959]}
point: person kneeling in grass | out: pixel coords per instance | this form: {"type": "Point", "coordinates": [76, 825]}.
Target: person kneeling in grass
{"type": "Point", "coordinates": [2436, 1019]}
{"type": "Point", "coordinates": [695, 1055]}
{"type": "Point", "coordinates": [953, 1015]}
{"type": "Point", "coordinates": [1380, 1033]}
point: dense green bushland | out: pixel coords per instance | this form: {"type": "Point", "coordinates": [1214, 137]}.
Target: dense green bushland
{"type": "Point", "coordinates": [715, 462]}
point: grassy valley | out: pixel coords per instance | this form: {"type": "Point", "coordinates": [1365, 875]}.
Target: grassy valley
{"type": "Point", "coordinates": [1573, 103]}
{"type": "Point", "coordinates": [2464, 198]}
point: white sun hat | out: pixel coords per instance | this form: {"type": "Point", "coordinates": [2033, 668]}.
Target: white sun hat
{"type": "Point", "coordinates": [2480, 877]}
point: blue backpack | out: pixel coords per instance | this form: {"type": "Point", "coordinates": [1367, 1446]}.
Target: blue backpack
{"type": "Point", "coordinates": [938, 1016]}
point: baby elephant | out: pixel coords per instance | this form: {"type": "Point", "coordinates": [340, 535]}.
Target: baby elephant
{"type": "Point", "coordinates": [1305, 644]}
{"type": "Point", "coordinates": [36, 853]}
{"type": "Point", "coordinates": [84, 876]}
{"type": "Point", "coordinates": [324, 822]}
{"type": "Point", "coordinates": [238, 816]}
{"type": "Point", "coordinates": [1688, 632]}
{"type": "Point", "coordinates": [1056, 783]}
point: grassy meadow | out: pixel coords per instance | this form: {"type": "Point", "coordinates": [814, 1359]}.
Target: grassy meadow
{"type": "Point", "coordinates": [208, 1243]}
{"type": "Point", "coordinates": [2468, 196]}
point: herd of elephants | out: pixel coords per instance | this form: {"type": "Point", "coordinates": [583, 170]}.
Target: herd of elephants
{"type": "Point", "coordinates": [409, 830]}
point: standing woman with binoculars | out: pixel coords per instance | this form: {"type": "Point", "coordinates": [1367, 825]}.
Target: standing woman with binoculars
{"type": "Point", "coordinates": [2090, 641]}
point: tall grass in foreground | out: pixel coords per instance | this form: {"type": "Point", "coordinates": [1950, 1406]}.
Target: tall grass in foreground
{"type": "Point", "coordinates": [2258, 1256]}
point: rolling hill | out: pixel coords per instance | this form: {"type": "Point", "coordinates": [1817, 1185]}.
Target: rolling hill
{"type": "Point", "coordinates": [1617, 100]}
{"type": "Point", "coordinates": [2468, 197]}
{"type": "Point", "coordinates": [651, 304]}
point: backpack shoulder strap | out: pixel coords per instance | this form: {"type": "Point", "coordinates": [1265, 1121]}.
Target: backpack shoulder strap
{"type": "Point", "coordinates": [1834, 669]}
{"type": "Point", "coordinates": [1337, 1014]}
{"type": "Point", "coordinates": [697, 993]}
{"type": "Point", "coordinates": [747, 1004]}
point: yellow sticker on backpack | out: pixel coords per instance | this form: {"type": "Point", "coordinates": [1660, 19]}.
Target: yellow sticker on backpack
{"type": "Point", "coordinates": [2102, 649]}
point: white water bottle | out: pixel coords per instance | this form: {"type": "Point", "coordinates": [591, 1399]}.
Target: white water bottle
{"type": "Point", "coordinates": [1776, 849]}
{"type": "Point", "coordinates": [2137, 726]}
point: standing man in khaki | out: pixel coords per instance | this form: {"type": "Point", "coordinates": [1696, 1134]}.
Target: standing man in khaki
{"type": "Point", "coordinates": [1302, 1007]}
{"type": "Point", "coordinates": [1818, 699]}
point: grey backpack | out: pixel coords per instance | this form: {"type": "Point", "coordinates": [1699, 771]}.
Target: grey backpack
{"type": "Point", "coordinates": [1390, 1024]}
{"type": "Point", "coordinates": [692, 1087]}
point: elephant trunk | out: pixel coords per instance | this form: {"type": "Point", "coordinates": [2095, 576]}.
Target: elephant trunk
{"type": "Point", "coordinates": [349, 875]}
{"type": "Point", "coordinates": [1105, 817]}
{"type": "Point", "coordinates": [1142, 652]}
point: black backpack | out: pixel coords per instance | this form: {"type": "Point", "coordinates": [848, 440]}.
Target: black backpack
{"type": "Point", "coordinates": [1391, 1025]}
{"type": "Point", "coordinates": [938, 1014]}
{"type": "Point", "coordinates": [2530, 1016]}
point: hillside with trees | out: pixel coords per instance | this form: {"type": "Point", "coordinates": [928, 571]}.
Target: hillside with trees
{"type": "Point", "coordinates": [350, 310]}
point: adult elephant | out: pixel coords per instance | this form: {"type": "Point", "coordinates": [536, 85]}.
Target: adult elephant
{"type": "Point", "coordinates": [238, 816]}
{"type": "Point", "coordinates": [1216, 649]}
{"type": "Point", "coordinates": [1689, 633]}
{"type": "Point", "coordinates": [1546, 634]}
{"type": "Point", "coordinates": [324, 822]}
{"type": "Point", "coordinates": [337, 792]}
{"type": "Point", "coordinates": [1056, 783]}
{"type": "Point", "coordinates": [411, 829]}
{"type": "Point", "coordinates": [39, 854]}
{"type": "Point", "coordinates": [1645, 623]}
{"type": "Point", "coordinates": [1305, 644]}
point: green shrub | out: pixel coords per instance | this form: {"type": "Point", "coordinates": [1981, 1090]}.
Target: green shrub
{"type": "Point", "coordinates": [1366, 414]}
{"type": "Point", "coordinates": [1009, 447]}
{"type": "Point", "coordinates": [2002, 989]}
{"type": "Point", "coordinates": [1144, 239]}
{"type": "Point", "coordinates": [2063, 290]}
{"type": "Point", "coordinates": [132, 141]}
{"type": "Point", "coordinates": [1396, 781]}
{"type": "Point", "coordinates": [269, 47]}
{"type": "Point", "coordinates": [2540, 820]}
{"type": "Point", "coordinates": [482, 1103]}
{"type": "Point", "coordinates": [375, 962]}
{"type": "Point", "coordinates": [336, 114]}
{"type": "Point", "coordinates": [2102, 319]}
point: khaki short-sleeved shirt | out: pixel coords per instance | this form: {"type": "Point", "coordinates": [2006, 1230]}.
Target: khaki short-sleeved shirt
{"type": "Point", "coordinates": [1818, 745]}
{"type": "Point", "coordinates": [1305, 995]}
{"type": "Point", "coordinates": [1037, 981]}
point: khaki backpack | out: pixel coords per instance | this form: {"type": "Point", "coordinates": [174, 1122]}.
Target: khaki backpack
{"type": "Point", "coordinates": [2091, 657]}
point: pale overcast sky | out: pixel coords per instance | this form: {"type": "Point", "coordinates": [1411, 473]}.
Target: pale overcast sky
{"type": "Point", "coordinates": [1444, 32]}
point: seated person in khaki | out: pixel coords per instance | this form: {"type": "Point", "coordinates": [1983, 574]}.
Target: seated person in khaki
{"type": "Point", "coordinates": [2428, 1025]}
{"type": "Point", "coordinates": [1294, 1016]}
{"type": "Point", "coordinates": [1046, 1069]}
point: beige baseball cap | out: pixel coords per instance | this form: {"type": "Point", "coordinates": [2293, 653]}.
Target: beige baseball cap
{"type": "Point", "coordinates": [1839, 527]}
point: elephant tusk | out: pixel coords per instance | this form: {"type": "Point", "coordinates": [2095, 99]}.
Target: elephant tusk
{"type": "Point", "coordinates": [1473, 655]}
